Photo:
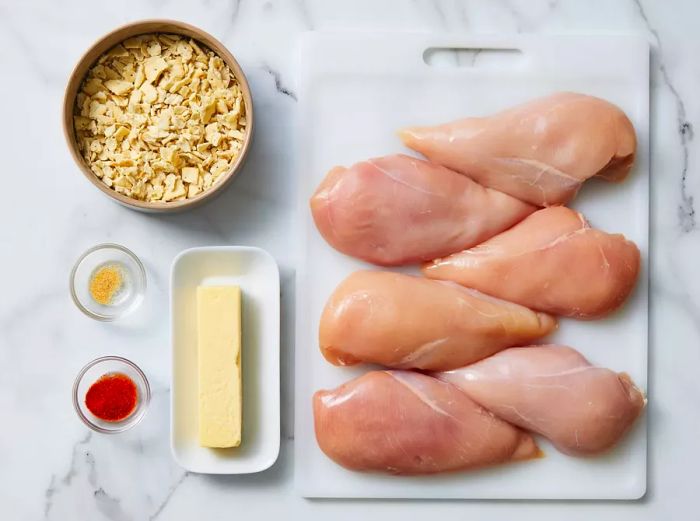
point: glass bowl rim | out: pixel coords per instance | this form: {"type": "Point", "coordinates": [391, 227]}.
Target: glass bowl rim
{"type": "Point", "coordinates": [125, 424]}
{"type": "Point", "coordinates": [74, 270]}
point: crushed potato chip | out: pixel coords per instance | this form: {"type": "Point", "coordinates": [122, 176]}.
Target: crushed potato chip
{"type": "Point", "coordinates": [160, 117]}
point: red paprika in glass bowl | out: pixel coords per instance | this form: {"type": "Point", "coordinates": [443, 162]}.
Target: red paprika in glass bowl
{"type": "Point", "coordinates": [111, 394]}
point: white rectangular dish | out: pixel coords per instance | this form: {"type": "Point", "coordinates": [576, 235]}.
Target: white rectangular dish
{"type": "Point", "coordinates": [355, 91]}
{"type": "Point", "coordinates": [257, 274]}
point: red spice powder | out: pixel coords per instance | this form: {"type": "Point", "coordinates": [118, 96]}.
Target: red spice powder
{"type": "Point", "coordinates": [112, 397]}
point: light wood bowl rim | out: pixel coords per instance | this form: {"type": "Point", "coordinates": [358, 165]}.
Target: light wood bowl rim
{"type": "Point", "coordinates": [120, 34]}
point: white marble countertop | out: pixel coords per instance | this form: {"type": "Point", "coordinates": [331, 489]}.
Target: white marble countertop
{"type": "Point", "coordinates": [52, 466]}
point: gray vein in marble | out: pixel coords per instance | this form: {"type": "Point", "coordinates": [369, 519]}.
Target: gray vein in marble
{"type": "Point", "coordinates": [437, 7]}
{"type": "Point", "coordinates": [235, 8]}
{"type": "Point", "coordinates": [469, 57]}
{"type": "Point", "coordinates": [304, 14]}
{"type": "Point", "coordinates": [92, 469]}
{"type": "Point", "coordinates": [110, 506]}
{"type": "Point", "coordinates": [72, 468]}
{"type": "Point", "coordinates": [462, 12]}
{"type": "Point", "coordinates": [517, 17]}
{"type": "Point", "coordinates": [173, 488]}
{"type": "Point", "coordinates": [279, 86]}
{"type": "Point", "coordinates": [233, 17]}
{"type": "Point", "coordinates": [686, 210]}
{"type": "Point", "coordinates": [460, 57]}
{"type": "Point", "coordinates": [48, 496]}
{"type": "Point", "coordinates": [66, 480]}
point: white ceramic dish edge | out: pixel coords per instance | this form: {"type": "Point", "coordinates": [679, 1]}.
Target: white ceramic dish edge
{"type": "Point", "coordinates": [257, 273]}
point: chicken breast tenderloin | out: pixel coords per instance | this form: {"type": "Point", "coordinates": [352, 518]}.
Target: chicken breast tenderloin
{"type": "Point", "coordinates": [552, 261]}
{"type": "Point", "coordinates": [401, 422]}
{"type": "Point", "coordinates": [403, 321]}
{"type": "Point", "coordinates": [540, 152]}
{"type": "Point", "coordinates": [397, 209]}
{"type": "Point", "coordinates": [556, 392]}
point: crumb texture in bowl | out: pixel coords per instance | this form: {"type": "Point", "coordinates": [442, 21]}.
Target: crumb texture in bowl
{"type": "Point", "coordinates": [158, 115]}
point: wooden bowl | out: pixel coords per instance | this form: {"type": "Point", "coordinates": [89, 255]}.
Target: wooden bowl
{"type": "Point", "coordinates": [110, 40]}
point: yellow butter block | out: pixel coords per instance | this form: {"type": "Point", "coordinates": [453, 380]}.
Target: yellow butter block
{"type": "Point", "coordinates": [219, 353]}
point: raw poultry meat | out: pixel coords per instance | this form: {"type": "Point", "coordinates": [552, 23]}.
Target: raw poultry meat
{"type": "Point", "coordinates": [398, 209]}
{"type": "Point", "coordinates": [540, 152]}
{"type": "Point", "coordinates": [403, 321]}
{"type": "Point", "coordinates": [552, 261]}
{"type": "Point", "coordinates": [401, 422]}
{"type": "Point", "coordinates": [556, 392]}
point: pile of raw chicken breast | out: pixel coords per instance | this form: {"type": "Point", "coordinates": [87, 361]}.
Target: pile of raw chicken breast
{"type": "Point", "coordinates": [501, 257]}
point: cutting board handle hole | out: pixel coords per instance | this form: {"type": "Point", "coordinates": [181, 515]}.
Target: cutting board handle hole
{"type": "Point", "coordinates": [472, 57]}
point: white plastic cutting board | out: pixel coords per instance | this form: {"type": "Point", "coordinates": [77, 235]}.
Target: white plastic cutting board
{"type": "Point", "coordinates": [355, 91]}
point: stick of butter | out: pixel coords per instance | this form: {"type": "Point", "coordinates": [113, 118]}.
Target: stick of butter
{"type": "Point", "coordinates": [219, 347]}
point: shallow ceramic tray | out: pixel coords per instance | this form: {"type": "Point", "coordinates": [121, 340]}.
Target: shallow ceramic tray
{"type": "Point", "coordinates": [256, 273]}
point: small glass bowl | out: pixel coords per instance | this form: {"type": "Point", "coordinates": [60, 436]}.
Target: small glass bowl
{"type": "Point", "coordinates": [126, 299]}
{"type": "Point", "coordinates": [92, 372]}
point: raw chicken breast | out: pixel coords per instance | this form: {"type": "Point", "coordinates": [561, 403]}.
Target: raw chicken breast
{"type": "Point", "coordinates": [406, 322]}
{"type": "Point", "coordinates": [402, 422]}
{"type": "Point", "coordinates": [553, 262]}
{"type": "Point", "coordinates": [556, 392]}
{"type": "Point", "coordinates": [398, 209]}
{"type": "Point", "coordinates": [540, 152]}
